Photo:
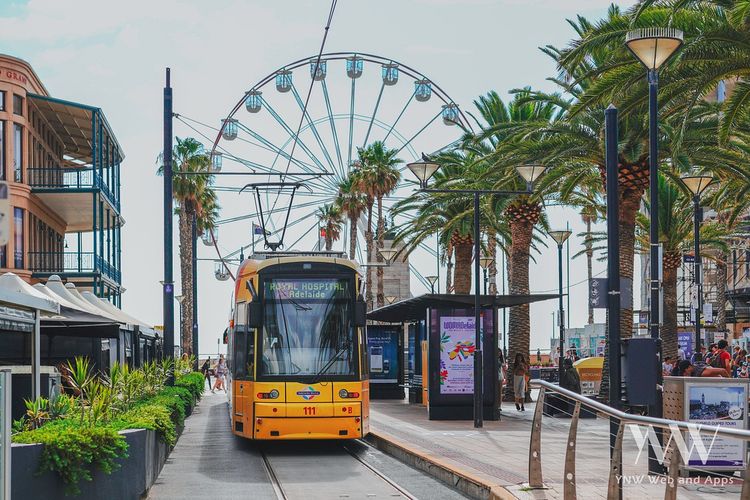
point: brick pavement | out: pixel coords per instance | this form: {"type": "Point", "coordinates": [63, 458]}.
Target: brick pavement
{"type": "Point", "coordinates": [498, 453]}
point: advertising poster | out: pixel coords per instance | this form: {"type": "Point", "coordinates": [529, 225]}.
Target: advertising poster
{"type": "Point", "coordinates": [457, 354]}
{"type": "Point", "coordinates": [720, 405]}
{"type": "Point", "coordinates": [685, 341]}
{"type": "Point", "coordinates": [382, 350]}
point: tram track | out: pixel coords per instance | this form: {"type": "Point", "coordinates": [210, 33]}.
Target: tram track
{"type": "Point", "coordinates": [341, 472]}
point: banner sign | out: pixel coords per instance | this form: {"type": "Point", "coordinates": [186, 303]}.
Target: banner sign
{"type": "Point", "coordinates": [723, 405]}
{"type": "Point", "coordinates": [598, 293]}
{"type": "Point", "coordinates": [382, 349]}
{"type": "Point", "coordinates": [457, 354]}
{"type": "Point", "coordinates": [685, 341]}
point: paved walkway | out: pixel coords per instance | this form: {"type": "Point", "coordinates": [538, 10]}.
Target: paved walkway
{"type": "Point", "coordinates": [209, 462]}
{"type": "Point", "coordinates": [498, 453]}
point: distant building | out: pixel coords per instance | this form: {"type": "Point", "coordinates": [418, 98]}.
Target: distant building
{"type": "Point", "coordinates": [62, 162]}
{"type": "Point", "coordinates": [587, 341]}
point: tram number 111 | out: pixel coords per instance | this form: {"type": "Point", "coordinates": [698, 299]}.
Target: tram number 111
{"type": "Point", "coordinates": [309, 410]}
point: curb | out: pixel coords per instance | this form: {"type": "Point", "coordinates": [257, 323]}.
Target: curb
{"type": "Point", "coordinates": [466, 482]}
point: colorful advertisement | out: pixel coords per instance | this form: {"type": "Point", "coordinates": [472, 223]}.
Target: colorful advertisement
{"type": "Point", "coordinates": [722, 405]}
{"type": "Point", "coordinates": [382, 351]}
{"type": "Point", "coordinates": [457, 348]}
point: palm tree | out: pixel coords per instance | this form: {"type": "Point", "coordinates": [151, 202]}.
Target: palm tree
{"type": "Point", "coordinates": [676, 237]}
{"type": "Point", "coordinates": [383, 176]}
{"type": "Point", "coordinates": [352, 202]}
{"type": "Point", "coordinates": [363, 181]}
{"type": "Point", "coordinates": [195, 199]}
{"type": "Point", "coordinates": [330, 220]}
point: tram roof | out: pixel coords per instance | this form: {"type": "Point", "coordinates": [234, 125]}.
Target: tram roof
{"type": "Point", "coordinates": [291, 258]}
{"type": "Point", "coordinates": [415, 308]}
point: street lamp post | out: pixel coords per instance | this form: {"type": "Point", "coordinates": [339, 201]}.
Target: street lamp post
{"type": "Point", "coordinates": [180, 299]}
{"type": "Point", "coordinates": [423, 170]}
{"type": "Point", "coordinates": [484, 263]}
{"type": "Point", "coordinates": [653, 47]}
{"type": "Point", "coordinates": [697, 184]}
{"type": "Point", "coordinates": [431, 280]}
{"type": "Point", "coordinates": [168, 281]}
{"type": "Point", "coordinates": [560, 237]}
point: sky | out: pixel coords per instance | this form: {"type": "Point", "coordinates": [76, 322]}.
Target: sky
{"type": "Point", "coordinates": [113, 54]}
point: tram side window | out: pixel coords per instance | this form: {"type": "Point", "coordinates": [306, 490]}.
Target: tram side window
{"type": "Point", "coordinates": [242, 345]}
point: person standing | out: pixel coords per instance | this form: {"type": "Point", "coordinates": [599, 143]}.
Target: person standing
{"type": "Point", "coordinates": [206, 370]}
{"type": "Point", "coordinates": [520, 370]}
{"type": "Point", "coordinates": [221, 372]}
{"type": "Point", "coordinates": [680, 354]}
{"type": "Point", "coordinates": [556, 357]}
{"type": "Point", "coordinates": [723, 359]}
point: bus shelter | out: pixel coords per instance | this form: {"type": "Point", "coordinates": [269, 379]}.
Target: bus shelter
{"type": "Point", "coordinates": [440, 344]}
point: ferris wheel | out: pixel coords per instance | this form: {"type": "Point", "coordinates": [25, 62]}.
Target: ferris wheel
{"type": "Point", "coordinates": [301, 126]}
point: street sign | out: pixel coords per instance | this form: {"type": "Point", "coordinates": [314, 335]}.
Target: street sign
{"type": "Point", "coordinates": [5, 214]}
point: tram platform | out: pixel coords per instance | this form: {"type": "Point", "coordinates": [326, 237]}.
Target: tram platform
{"type": "Point", "coordinates": [492, 462]}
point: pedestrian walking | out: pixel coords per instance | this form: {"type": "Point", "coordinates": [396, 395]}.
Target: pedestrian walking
{"type": "Point", "coordinates": [221, 372]}
{"type": "Point", "coordinates": [520, 371]}
{"type": "Point", "coordinates": [206, 370]}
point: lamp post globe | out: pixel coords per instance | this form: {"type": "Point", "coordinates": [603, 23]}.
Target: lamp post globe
{"type": "Point", "coordinates": [423, 170]}
{"type": "Point", "coordinates": [431, 280]}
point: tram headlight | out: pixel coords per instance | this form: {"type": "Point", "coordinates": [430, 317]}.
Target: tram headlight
{"type": "Point", "coordinates": [274, 394]}
{"type": "Point", "coordinates": [343, 394]}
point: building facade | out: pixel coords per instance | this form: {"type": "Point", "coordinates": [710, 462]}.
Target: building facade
{"type": "Point", "coordinates": [62, 164]}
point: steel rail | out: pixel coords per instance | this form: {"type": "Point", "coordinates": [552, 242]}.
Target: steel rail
{"type": "Point", "coordinates": [275, 483]}
{"type": "Point", "coordinates": [375, 471]}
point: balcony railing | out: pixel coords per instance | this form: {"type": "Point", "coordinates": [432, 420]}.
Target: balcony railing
{"type": "Point", "coordinates": [72, 262]}
{"type": "Point", "coordinates": [69, 178]}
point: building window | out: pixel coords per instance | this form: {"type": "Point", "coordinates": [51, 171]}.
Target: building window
{"type": "Point", "coordinates": [4, 256]}
{"type": "Point", "coordinates": [18, 237]}
{"type": "Point", "coordinates": [17, 152]}
{"type": "Point", "coordinates": [2, 100]}
{"type": "Point", "coordinates": [2, 150]}
{"type": "Point", "coordinates": [17, 105]}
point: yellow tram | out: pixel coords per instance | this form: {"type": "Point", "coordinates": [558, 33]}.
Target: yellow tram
{"type": "Point", "coordinates": [296, 350]}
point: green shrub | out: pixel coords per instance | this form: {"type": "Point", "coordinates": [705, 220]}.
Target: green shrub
{"type": "Point", "coordinates": [194, 382]}
{"type": "Point", "coordinates": [71, 450]}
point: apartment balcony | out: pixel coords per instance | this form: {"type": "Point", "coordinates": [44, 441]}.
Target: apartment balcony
{"type": "Point", "coordinates": [72, 265]}
{"type": "Point", "coordinates": [72, 193]}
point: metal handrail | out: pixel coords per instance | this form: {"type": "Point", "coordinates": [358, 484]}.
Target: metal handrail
{"type": "Point", "coordinates": [662, 423]}
{"type": "Point", "coordinates": [614, 488]}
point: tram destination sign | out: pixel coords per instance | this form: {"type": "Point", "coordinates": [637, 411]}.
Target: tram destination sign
{"type": "Point", "coordinates": [300, 289]}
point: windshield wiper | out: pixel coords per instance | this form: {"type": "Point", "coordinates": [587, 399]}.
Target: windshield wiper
{"type": "Point", "coordinates": [330, 363]}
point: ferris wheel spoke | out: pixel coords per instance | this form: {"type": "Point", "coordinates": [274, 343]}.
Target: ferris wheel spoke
{"type": "Point", "coordinates": [374, 113]}
{"type": "Point", "coordinates": [420, 131]}
{"type": "Point", "coordinates": [419, 276]}
{"type": "Point", "coordinates": [303, 235]}
{"type": "Point", "coordinates": [333, 127]}
{"type": "Point", "coordinates": [275, 148]}
{"type": "Point", "coordinates": [292, 135]}
{"type": "Point", "coordinates": [267, 212]}
{"type": "Point", "coordinates": [351, 122]}
{"type": "Point", "coordinates": [399, 116]}
{"type": "Point", "coordinates": [314, 129]}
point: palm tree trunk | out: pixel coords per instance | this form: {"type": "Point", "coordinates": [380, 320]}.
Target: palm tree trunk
{"type": "Point", "coordinates": [381, 237]}
{"type": "Point", "coordinates": [352, 238]}
{"type": "Point", "coordinates": [449, 268]}
{"type": "Point", "coordinates": [462, 273]}
{"type": "Point", "coordinates": [668, 331]}
{"type": "Point", "coordinates": [589, 265]}
{"type": "Point", "coordinates": [492, 253]}
{"type": "Point", "coordinates": [721, 291]}
{"type": "Point", "coordinates": [329, 239]}
{"type": "Point", "coordinates": [368, 236]}
{"type": "Point", "coordinates": [186, 215]}
{"type": "Point", "coordinates": [630, 202]}
{"type": "Point", "coordinates": [519, 323]}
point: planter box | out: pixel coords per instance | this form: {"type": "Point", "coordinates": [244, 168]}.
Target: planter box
{"type": "Point", "coordinates": [146, 456]}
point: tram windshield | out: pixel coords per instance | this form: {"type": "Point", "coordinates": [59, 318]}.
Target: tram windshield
{"type": "Point", "coordinates": [306, 323]}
